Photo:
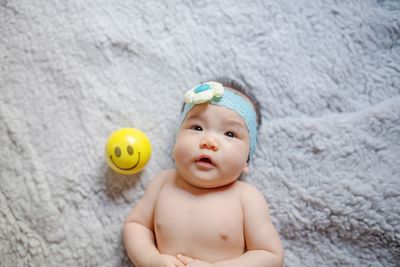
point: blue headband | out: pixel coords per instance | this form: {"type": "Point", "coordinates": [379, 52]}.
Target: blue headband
{"type": "Point", "coordinates": [214, 93]}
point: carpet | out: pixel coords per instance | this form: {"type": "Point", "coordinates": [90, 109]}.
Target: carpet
{"type": "Point", "coordinates": [327, 76]}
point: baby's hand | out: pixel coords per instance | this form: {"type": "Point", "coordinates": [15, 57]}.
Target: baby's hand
{"type": "Point", "coordinates": [165, 260]}
{"type": "Point", "coordinates": [189, 262]}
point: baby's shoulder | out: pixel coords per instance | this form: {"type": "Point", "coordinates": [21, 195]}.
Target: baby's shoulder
{"type": "Point", "coordinates": [246, 187]}
{"type": "Point", "coordinates": [161, 179]}
{"type": "Point", "coordinates": [248, 192]}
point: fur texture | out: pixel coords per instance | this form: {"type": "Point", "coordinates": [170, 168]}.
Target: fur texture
{"type": "Point", "coordinates": [327, 75]}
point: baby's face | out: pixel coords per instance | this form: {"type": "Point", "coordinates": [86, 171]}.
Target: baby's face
{"type": "Point", "coordinates": [212, 146]}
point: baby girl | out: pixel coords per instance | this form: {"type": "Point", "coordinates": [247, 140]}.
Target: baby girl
{"type": "Point", "coordinates": [200, 214]}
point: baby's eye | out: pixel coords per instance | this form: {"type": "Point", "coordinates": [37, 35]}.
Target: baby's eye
{"type": "Point", "coordinates": [230, 134]}
{"type": "Point", "coordinates": [196, 128]}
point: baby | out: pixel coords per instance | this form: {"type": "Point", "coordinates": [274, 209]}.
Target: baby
{"type": "Point", "coordinates": [199, 214]}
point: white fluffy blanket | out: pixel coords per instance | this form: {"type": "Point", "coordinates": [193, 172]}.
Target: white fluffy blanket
{"type": "Point", "coordinates": [327, 74]}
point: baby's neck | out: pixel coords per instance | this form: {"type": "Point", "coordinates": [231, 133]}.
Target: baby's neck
{"type": "Point", "coordinates": [183, 183]}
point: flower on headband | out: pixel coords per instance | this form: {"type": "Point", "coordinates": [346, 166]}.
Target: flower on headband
{"type": "Point", "coordinates": [204, 93]}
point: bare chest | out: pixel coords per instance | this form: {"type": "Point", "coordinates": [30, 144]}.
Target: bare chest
{"type": "Point", "coordinates": [203, 223]}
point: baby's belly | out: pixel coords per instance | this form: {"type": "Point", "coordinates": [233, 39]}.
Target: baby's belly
{"type": "Point", "coordinates": [210, 229]}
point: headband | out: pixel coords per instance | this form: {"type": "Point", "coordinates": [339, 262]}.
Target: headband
{"type": "Point", "coordinates": [214, 93]}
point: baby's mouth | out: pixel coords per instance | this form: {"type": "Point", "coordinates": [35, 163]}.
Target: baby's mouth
{"type": "Point", "coordinates": [205, 160]}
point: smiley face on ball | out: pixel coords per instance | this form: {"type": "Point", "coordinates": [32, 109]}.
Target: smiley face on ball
{"type": "Point", "coordinates": [121, 158]}
{"type": "Point", "coordinates": [127, 150]}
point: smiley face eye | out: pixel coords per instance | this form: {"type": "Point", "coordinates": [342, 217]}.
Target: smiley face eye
{"type": "Point", "coordinates": [117, 152]}
{"type": "Point", "coordinates": [130, 150]}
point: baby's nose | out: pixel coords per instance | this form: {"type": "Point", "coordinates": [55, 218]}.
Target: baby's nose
{"type": "Point", "coordinates": [209, 143]}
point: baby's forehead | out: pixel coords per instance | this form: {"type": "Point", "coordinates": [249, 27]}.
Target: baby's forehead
{"type": "Point", "coordinates": [215, 112]}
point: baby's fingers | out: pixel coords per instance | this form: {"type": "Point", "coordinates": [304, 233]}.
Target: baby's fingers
{"type": "Point", "coordinates": [170, 261]}
{"type": "Point", "coordinates": [174, 264]}
{"type": "Point", "coordinates": [186, 260]}
{"type": "Point", "coordinates": [178, 263]}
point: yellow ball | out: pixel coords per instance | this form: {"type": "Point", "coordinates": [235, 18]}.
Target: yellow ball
{"type": "Point", "coordinates": [127, 150]}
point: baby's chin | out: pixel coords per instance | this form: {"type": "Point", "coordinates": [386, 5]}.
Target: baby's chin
{"type": "Point", "coordinates": [204, 183]}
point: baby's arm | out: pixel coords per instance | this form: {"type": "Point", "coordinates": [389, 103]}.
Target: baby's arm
{"type": "Point", "coordinates": [263, 245]}
{"type": "Point", "coordinates": [138, 234]}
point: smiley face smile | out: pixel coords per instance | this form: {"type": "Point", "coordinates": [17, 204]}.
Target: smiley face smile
{"type": "Point", "coordinates": [126, 169]}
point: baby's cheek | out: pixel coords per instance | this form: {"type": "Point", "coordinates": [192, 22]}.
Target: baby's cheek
{"type": "Point", "coordinates": [181, 150]}
{"type": "Point", "coordinates": [235, 161]}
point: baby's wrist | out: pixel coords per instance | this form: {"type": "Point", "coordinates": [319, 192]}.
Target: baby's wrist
{"type": "Point", "coordinates": [153, 260]}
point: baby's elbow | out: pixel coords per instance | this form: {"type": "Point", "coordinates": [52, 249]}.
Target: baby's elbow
{"type": "Point", "coordinates": [126, 229]}
{"type": "Point", "coordinates": [129, 229]}
{"type": "Point", "coordinates": [281, 260]}
{"type": "Point", "coordinates": [280, 256]}
{"type": "Point", "coordinates": [275, 257]}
